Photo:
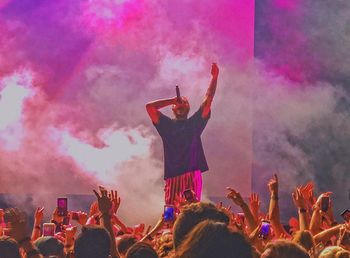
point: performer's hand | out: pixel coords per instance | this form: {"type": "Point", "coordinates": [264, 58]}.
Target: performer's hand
{"type": "Point", "coordinates": [214, 70]}
{"type": "Point", "coordinates": [175, 100]}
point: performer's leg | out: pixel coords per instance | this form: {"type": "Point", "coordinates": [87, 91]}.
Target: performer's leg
{"type": "Point", "coordinates": [197, 184]}
{"type": "Point", "coordinates": [175, 186]}
{"type": "Point", "coordinates": [169, 190]}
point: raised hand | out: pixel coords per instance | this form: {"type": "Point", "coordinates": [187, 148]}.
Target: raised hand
{"type": "Point", "coordinates": [115, 200]}
{"type": "Point", "coordinates": [81, 217]}
{"type": "Point", "coordinates": [299, 199]}
{"type": "Point", "coordinates": [235, 196]}
{"type": "Point", "coordinates": [317, 205]}
{"type": "Point", "coordinates": [214, 70]}
{"type": "Point", "coordinates": [104, 203]}
{"type": "Point", "coordinates": [308, 192]}
{"type": "Point", "coordinates": [254, 202]}
{"type": "Point", "coordinates": [273, 186]}
{"type": "Point", "coordinates": [227, 211]}
{"type": "Point", "coordinates": [38, 216]}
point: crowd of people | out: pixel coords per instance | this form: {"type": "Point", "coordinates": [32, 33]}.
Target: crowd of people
{"type": "Point", "coordinates": [197, 230]}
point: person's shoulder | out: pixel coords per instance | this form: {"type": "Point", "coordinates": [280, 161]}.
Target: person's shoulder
{"type": "Point", "coordinates": [163, 119]}
{"type": "Point", "coordinates": [198, 115]}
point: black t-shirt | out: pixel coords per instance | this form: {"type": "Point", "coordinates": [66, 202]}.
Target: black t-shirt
{"type": "Point", "coordinates": [183, 150]}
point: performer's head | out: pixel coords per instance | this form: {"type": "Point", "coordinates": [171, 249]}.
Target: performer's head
{"type": "Point", "coordinates": [181, 109]}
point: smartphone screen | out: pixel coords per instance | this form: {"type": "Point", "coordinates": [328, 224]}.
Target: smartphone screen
{"type": "Point", "coordinates": [325, 203]}
{"type": "Point", "coordinates": [346, 215]}
{"type": "Point", "coordinates": [265, 229]}
{"type": "Point", "coordinates": [49, 229]}
{"type": "Point", "coordinates": [62, 206]}
{"type": "Point", "coordinates": [169, 211]}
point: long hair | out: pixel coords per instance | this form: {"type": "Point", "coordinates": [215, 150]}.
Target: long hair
{"type": "Point", "coordinates": [213, 239]}
{"type": "Point", "coordinates": [305, 239]}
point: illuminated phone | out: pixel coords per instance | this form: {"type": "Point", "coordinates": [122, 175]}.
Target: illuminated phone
{"type": "Point", "coordinates": [265, 229]}
{"type": "Point", "coordinates": [169, 212]}
{"type": "Point", "coordinates": [49, 229]}
{"type": "Point", "coordinates": [62, 207]}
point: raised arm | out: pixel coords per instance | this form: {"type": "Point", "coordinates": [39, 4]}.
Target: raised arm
{"type": "Point", "coordinates": [105, 204]}
{"type": "Point", "coordinates": [239, 201]}
{"type": "Point", "coordinates": [301, 205]}
{"type": "Point", "coordinates": [211, 91]}
{"type": "Point", "coordinates": [38, 218]}
{"type": "Point", "coordinates": [153, 106]}
{"type": "Point", "coordinates": [274, 212]}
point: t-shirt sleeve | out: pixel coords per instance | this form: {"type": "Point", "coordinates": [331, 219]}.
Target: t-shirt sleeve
{"type": "Point", "coordinates": [163, 124]}
{"type": "Point", "coordinates": [199, 121]}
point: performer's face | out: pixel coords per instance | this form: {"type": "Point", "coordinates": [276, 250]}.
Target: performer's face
{"type": "Point", "coordinates": [181, 109]}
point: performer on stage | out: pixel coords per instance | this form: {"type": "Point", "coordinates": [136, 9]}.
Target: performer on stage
{"type": "Point", "coordinates": [184, 158]}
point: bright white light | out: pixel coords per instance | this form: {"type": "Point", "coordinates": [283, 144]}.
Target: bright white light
{"type": "Point", "coordinates": [15, 90]}
{"type": "Point", "coordinates": [121, 145]}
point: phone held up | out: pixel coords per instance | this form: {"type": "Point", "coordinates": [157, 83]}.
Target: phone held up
{"type": "Point", "coordinates": [62, 207]}
{"type": "Point", "coordinates": [265, 229]}
{"type": "Point", "coordinates": [169, 213]}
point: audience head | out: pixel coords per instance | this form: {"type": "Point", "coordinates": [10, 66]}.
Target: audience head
{"type": "Point", "coordinates": [214, 239]}
{"type": "Point", "coordinates": [194, 214]}
{"type": "Point", "coordinates": [92, 242]}
{"type": "Point", "coordinates": [124, 242]}
{"type": "Point", "coordinates": [141, 250]}
{"type": "Point", "coordinates": [334, 252]}
{"type": "Point", "coordinates": [49, 246]}
{"type": "Point", "coordinates": [9, 248]}
{"type": "Point", "coordinates": [284, 249]}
